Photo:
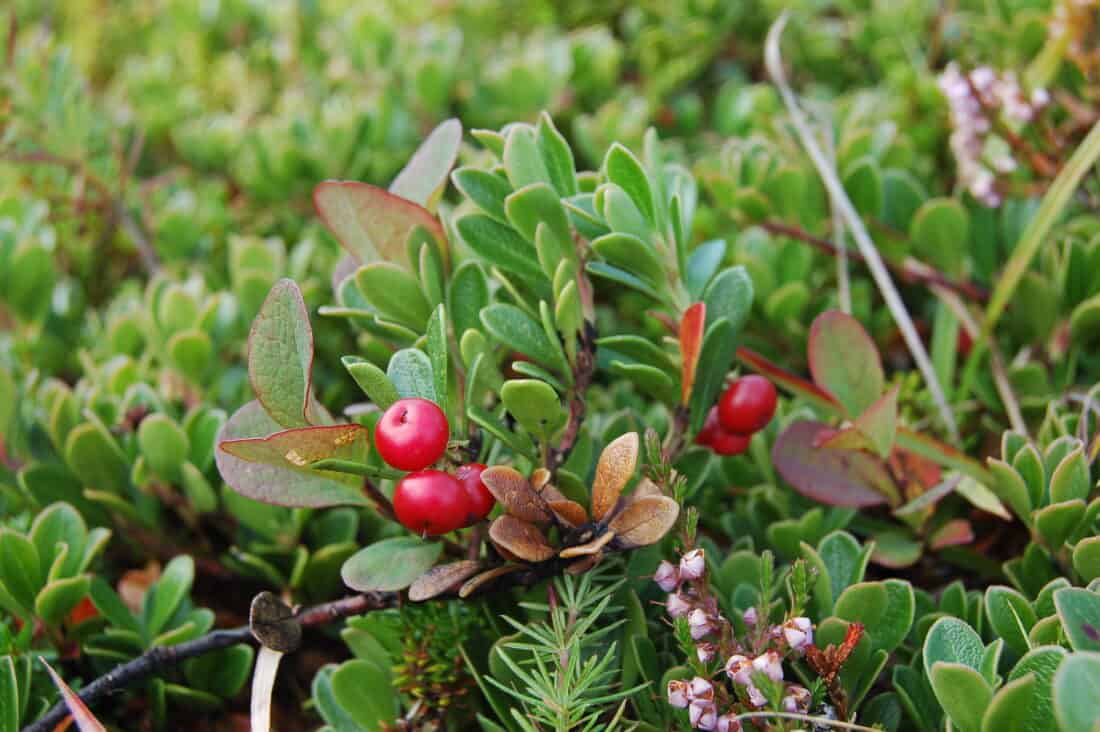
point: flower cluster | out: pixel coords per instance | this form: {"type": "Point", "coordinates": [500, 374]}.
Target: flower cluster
{"type": "Point", "coordinates": [748, 662]}
{"type": "Point", "coordinates": [975, 99]}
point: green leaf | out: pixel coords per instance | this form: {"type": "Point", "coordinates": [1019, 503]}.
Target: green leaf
{"type": "Point", "coordinates": [1070, 479]}
{"type": "Point", "coordinates": [437, 354]}
{"type": "Point", "coordinates": [484, 419]}
{"type": "Point", "coordinates": [280, 355]}
{"type": "Point", "coordinates": [390, 565]}
{"type": "Point", "coordinates": [886, 610]}
{"type": "Point", "coordinates": [410, 370]}
{"type": "Point", "coordinates": [963, 694]}
{"type": "Point", "coordinates": [424, 177]}
{"type": "Point", "coordinates": [845, 362]}
{"type": "Point", "coordinates": [1076, 703]}
{"type": "Point", "coordinates": [729, 296]}
{"type": "Point", "coordinates": [952, 641]}
{"type": "Point", "coordinates": [626, 171]}
{"type": "Point", "coordinates": [1086, 558]}
{"type": "Point", "coordinates": [1008, 710]}
{"type": "Point", "coordinates": [940, 231]}
{"type": "Point", "coordinates": [467, 294]}
{"type": "Point", "coordinates": [704, 261]}
{"type": "Point", "coordinates": [1051, 208]}
{"type": "Point", "coordinates": [1057, 521]}
{"type": "Point", "coordinates": [535, 406]}
{"type": "Point", "coordinates": [164, 444]}
{"type": "Point", "coordinates": [364, 689]}
{"type": "Point", "coordinates": [621, 213]}
{"type": "Point", "coordinates": [512, 327]}
{"type": "Point", "coordinates": [1079, 610]}
{"type": "Point", "coordinates": [57, 599]}
{"type": "Point", "coordinates": [165, 595]}
{"type": "Point", "coordinates": [1010, 616]}
{"type": "Point", "coordinates": [537, 203]}
{"type": "Point", "coordinates": [372, 224]}
{"type": "Point", "coordinates": [835, 476]}
{"type": "Point", "coordinates": [95, 458]}
{"type": "Point", "coordinates": [652, 381]}
{"type": "Point", "coordinates": [57, 524]}
{"type": "Point", "coordinates": [501, 245]}
{"type": "Point", "coordinates": [9, 695]}
{"type": "Point", "coordinates": [1010, 488]}
{"type": "Point", "coordinates": [372, 380]}
{"type": "Point", "coordinates": [622, 277]}
{"type": "Point", "coordinates": [557, 156]}
{"type": "Point", "coordinates": [1040, 664]}
{"type": "Point", "coordinates": [863, 182]}
{"type": "Point", "coordinates": [395, 293]}
{"type": "Point", "coordinates": [284, 482]}
{"type": "Point", "coordinates": [485, 189]}
{"type": "Point", "coordinates": [1084, 321]}
{"type": "Point", "coordinates": [522, 160]}
{"type": "Point", "coordinates": [21, 571]}
{"type": "Point", "coordinates": [902, 196]}
{"type": "Point", "coordinates": [629, 253]}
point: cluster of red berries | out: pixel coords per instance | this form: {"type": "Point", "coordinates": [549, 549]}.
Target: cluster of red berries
{"type": "Point", "coordinates": [411, 435]}
{"type": "Point", "coordinates": [745, 408]}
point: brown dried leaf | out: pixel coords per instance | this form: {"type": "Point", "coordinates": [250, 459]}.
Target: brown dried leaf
{"type": "Point", "coordinates": [614, 470]}
{"type": "Point", "coordinates": [521, 538]}
{"type": "Point", "coordinates": [646, 487]}
{"type": "Point", "coordinates": [570, 513]}
{"type": "Point", "coordinates": [485, 577]}
{"type": "Point", "coordinates": [516, 495]}
{"type": "Point", "coordinates": [592, 547]}
{"type": "Point", "coordinates": [442, 578]}
{"type": "Point", "coordinates": [645, 520]}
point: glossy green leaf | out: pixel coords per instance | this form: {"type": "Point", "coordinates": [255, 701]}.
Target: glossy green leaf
{"type": "Point", "coordinates": [729, 295]}
{"type": "Point", "coordinates": [962, 692]}
{"type": "Point", "coordinates": [372, 380]}
{"type": "Point", "coordinates": [886, 610]}
{"type": "Point", "coordinates": [390, 564]}
{"type": "Point", "coordinates": [467, 295]}
{"type": "Point", "coordinates": [1010, 616]}
{"type": "Point", "coordinates": [165, 595]}
{"type": "Point", "coordinates": [410, 371]}
{"type": "Point", "coordinates": [57, 598]}
{"type": "Point", "coordinates": [512, 327]}
{"type": "Point", "coordinates": [845, 362]}
{"type": "Point", "coordinates": [164, 445]}
{"type": "Point", "coordinates": [629, 253]}
{"type": "Point", "coordinates": [556, 156]}
{"type": "Point", "coordinates": [1076, 703]}
{"type": "Point", "coordinates": [1086, 558]}
{"type": "Point", "coordinates": [626, 171]}
{"type": "Point", "coordinates": [953, 641]}
{"type": "Point", "coordinates": [395, 293]}
{"type": "Point", "coordinates": [500, 245]}
{"type": "Point", "coordinates": [280, 355]}
{"type": "Point", "coordinates": [535, 405]}
{"type": "Point", "coordinates": [1070, 480]}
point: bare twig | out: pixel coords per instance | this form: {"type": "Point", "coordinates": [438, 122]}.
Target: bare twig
{"type": "Point", "coordinates": [878, 269]}
{"type": "Point", "coordinates": [583, 371]}
{"type": "Point", "coordinates": [160, 657]}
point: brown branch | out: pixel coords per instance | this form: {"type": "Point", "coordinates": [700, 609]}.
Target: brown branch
{"type": "Point", "coordinates": [910, 270]}
{"type": "Point", "coordinates": [583, 371]}
{"type": "Point", "coordinates": [166, 656]}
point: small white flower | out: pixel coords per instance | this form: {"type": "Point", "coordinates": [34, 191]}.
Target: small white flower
{"type": "Point", "coordinates": [797, 699]}
{"type": "Point", "coordinates": [667, 576]}
{"type": "Point", "coordinates": [769, 664]}
{"type": "Point", "coordinates": [699, 689]}
{"type": "Point", "coordinates": [728, 723]}
{"type": "Point", "coordinates": [750, 617]}
{"type": "Point", "coordinates": [739, 669]}
{"type": "Point", "coordinates": [799, 633]}
{"type": "Point", "coordinates": [703, 715]}
{"type": "Point", "coordinates": [678, 693]}
{"type": "Point", "coordinates": [705, 652]}
{"type": "Point", "coordinates": [755, 697]}
{"type": "Point", "coordinates": [677, 606]}
{"type": "Point", "coordinates": [699, 623]}
{"type": "Point", "coordinates": [692, 565]}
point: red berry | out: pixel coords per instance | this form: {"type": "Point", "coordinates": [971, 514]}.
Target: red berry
{"type": "Point", "coordinates": [710, 430]}
{"type": "Point", "coordinates": [748, 405]}
{"type": "Point", "coordinates": [730, 443]}
{"type": "Point", "coordinates": [412, 434]}
{"type": "Point", "coordinates": [481, 500]}
{"type": "Point", "coordinates": [431, 502]}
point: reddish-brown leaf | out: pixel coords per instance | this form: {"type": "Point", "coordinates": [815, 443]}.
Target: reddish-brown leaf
{"type": "Point", "coordinates": [516, 494]}
{"type": "Point", "coordinates": [442, 578]}
{"type": "Point", "coordinates": [644, 520]}
{"type": "Point", "coordinates": [474, 583]}
{"type": "Point", "coordinates": [691, 344]}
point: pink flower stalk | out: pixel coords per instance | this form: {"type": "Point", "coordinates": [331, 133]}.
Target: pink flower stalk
{"type": "Point", "coordinates": [667, 576]}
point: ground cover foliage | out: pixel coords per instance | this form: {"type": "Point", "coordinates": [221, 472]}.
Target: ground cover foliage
{"type": "Point", "coordinates": [550, 366]}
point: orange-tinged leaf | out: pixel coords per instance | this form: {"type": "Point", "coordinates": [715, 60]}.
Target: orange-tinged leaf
{"type": "Point", "coordinates": [442, 578]}
{"type": "Point", "coordinates": [643, 521]}
{"type": "Point", "coordinates": [520, 539]}
{"type": "Point", "coordinates": [514, 493]}
{"type": "Point", "coordinates": [371, 223]}
{"type": "Point", "coordinates": [583, 565]}
{"type": "Point", "coordinates": [85, 720]}
{"type": "Point", "coordinates": [613, 472]}
{"type": "Point", "coordinates": [424, 177]}
{"type": "Point", "coordinates": [646, 487]}
{"type": "Point", "coordinates": [837, 477]}
{"type": "Point", "coordinates": [298, 448]}
{"type": "Point", "coordinates": [844, 361]}
{"type": "Point", "coordinates": [691, 344]}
